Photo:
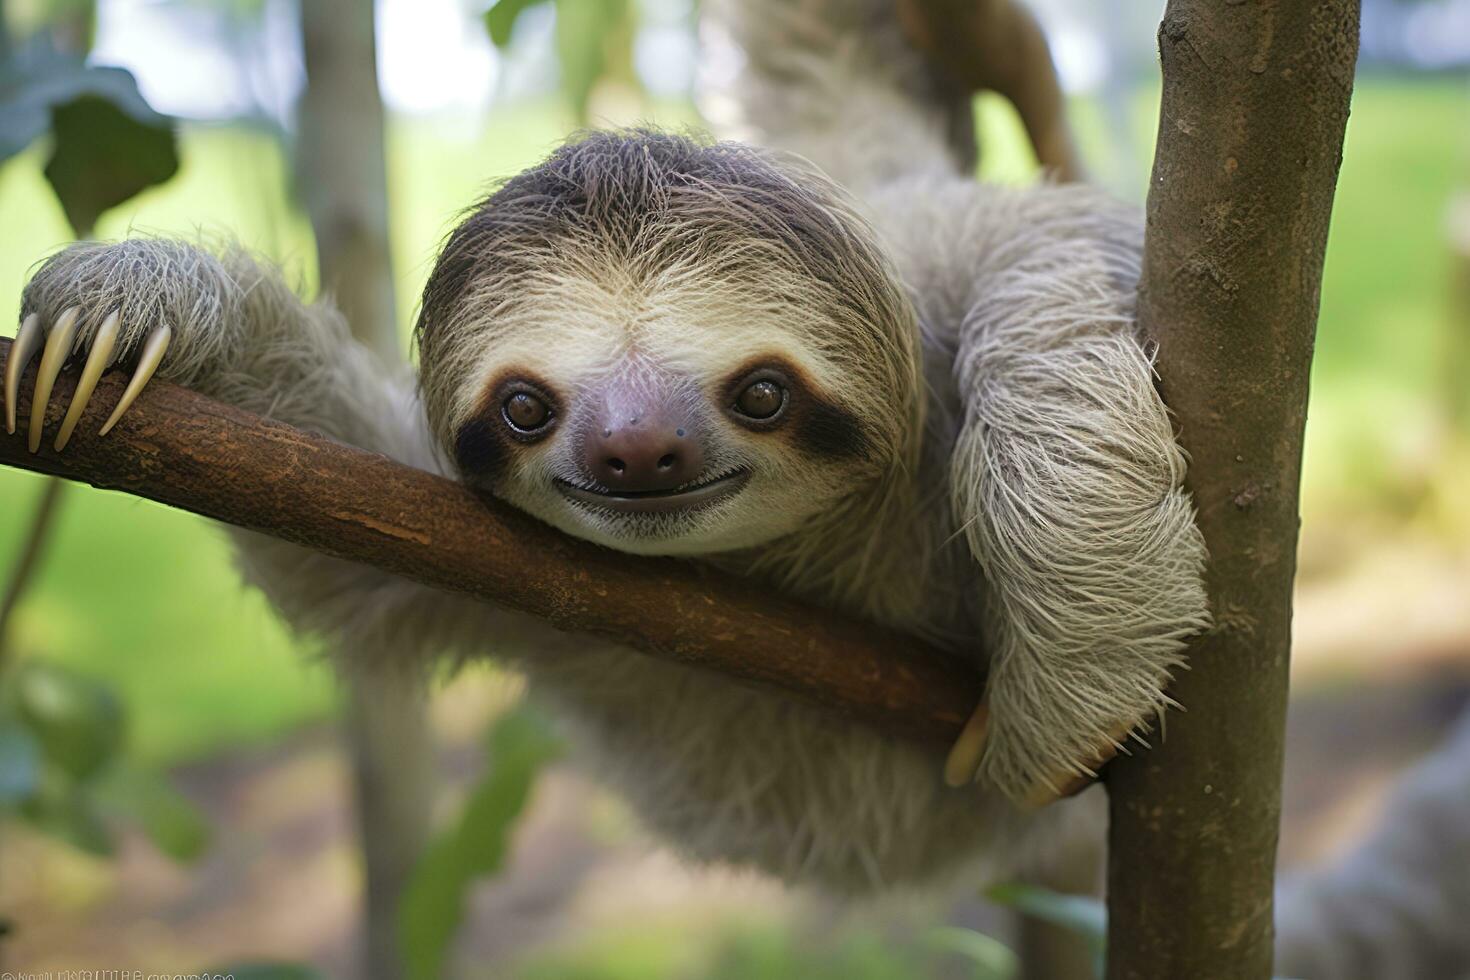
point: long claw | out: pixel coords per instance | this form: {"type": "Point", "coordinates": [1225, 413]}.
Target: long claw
{"type": "Point", "coordinates": [58, 347]}
{"type": "Point", "coordinates": [22, 349]}
{"type": "Point", "coordinates": [965, 754]}
{"type": "Point", "coordinates": [97, 362]}
{"type": "Point", "coordinates": [153, 350]}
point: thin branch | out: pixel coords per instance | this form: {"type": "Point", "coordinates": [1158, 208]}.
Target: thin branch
{"type": "Point", "coordinates": [1255, 104]}
{"type": "Point", "coordinates": [23, 572]}
{"type": "Point", "coordinates": [182, 449]}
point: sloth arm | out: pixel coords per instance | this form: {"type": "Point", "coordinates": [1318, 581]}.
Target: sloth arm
{"type": "Point", "coordinates": [225, 324]}
{"type": "Point", "coordinates": [1065, 476]}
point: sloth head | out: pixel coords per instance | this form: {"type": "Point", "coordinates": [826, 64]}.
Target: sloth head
{"type": "Point", "coordinates": [669, 347]}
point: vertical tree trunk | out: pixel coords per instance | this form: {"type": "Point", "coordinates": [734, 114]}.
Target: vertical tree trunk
{"type": "Point", "coordinates": [342, 179]}
{"type": "Point", "coordinates": [341, 170]}
{"type": "Point", "coordinates": [1255, 103]}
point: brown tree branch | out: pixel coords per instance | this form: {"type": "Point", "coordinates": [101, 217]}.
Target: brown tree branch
{"type": "Point", "coordinates": [1255, 104]}
{"type": "Point", "coordinates": [180, 448]}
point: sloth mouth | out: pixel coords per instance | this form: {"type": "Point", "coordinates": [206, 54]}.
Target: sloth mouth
{"type": "Point", "coordinates": [690, 496]}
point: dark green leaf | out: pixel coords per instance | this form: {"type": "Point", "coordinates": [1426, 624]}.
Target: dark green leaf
{"type": "Point", "coordinates": [170, 820]}
{"type": "Point", "coordinates": [109, 144]}
{"type": "Point", "coordinates": [519, 745]}
{"type": "Point", "coordinates": [60, 808]}
{"type": "Point", "coordinates": [78, 722]}
{"type": "Point", "coordinates": [20, 761]}
{"type": "Point", "coordinates": [500, 19]}
{"type": "Point", "coordinates": [102, 157]}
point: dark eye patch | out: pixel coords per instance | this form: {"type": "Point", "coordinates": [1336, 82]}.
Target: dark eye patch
{"type": "Point", "coordinates": [480, 448]}
{"type": "Point", "coordinates": [827, 430]}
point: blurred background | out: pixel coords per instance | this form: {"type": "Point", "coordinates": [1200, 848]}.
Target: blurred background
{"type": "Point", "coordinates": [176, 784]}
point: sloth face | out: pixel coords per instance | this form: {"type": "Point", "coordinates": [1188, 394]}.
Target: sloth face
{"type": "Point", "coordinates": [668, 347]}
{"type": "Point", "coordinates": [665, 443]}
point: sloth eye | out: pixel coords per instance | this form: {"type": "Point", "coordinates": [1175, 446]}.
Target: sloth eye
{"type": "Point", "coordinates": [762, 400]}
{"type": "Point", "coordinates": [525, 412]}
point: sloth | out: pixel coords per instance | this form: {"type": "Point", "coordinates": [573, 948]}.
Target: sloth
{"type": "Point", "coordinates": [856, 376]}
{"type": "Point", "coordinates": [853, 375]}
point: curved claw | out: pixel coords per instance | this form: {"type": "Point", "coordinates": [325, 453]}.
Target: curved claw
{"type": "Point", "coordinates": [97, 361]}
{"type": "Point", "coordinates": [964, 756]}
{"type": "Point", "coordinates": [58, 348]}
{"type": "Point", "coordinates": [22, 349]}
{"type": "Point", "coordinates": [153, 350]}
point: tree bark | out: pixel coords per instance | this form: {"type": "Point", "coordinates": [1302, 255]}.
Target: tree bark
{"type": "Point", "coordinates": [1255, 103]}
{"type": "Point", "coordinates": [341, 173]}
{"type": "Point", "coordinates": [180, 448]}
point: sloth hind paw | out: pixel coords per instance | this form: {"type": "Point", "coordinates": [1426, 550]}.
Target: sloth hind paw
{"type": "Point", "coordinates": [57, 342]}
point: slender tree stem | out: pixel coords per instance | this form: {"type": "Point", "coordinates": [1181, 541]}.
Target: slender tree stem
{"type": "Point", "coordinates": [1255, 103]}
{"type": "Point", "coordinates": [22, 573]}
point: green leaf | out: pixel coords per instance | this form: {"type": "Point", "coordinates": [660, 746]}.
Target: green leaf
{"type": "Point", "coordinates": [267, 971]}
{"type": "Point", "coordinates": [500, 19]}
{"type": "Point", "coordinates": [102, 157]}
{"type": "Point", "coordinates": [590, 34]}
{"type": "Point", "coordinates": [20, 762]}
{"type": "Point", "coordinates": [1088, 917]}
{"type": "Point", "coordinates": [59, 808]}
{"type": "Point", "coordinates": [519, 745]}
{"type": "Point", "coordinates": [108, 144]}
{"type": "Point", "coordinates": [78, 722]}
{"type": "Point", "coordinates": [171, 821]}
{"type": "Point", "coordinates": [989, 956]}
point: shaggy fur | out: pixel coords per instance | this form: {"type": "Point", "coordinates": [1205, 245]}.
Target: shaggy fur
{"type": "Point", "coordinates": [1016, 496]}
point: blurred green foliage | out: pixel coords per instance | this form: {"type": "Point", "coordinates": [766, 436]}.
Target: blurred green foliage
{"type": "Point", "coordinates": [770, 951]}
{"type": "Point", "coordinates": [518, 745]}
{"type": "Point", "coordinates": [594, 41]}
{"type": "Point", "coordinates": [64, 768]}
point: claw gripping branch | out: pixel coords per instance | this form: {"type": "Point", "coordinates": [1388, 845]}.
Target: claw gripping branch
{"type": "Point", "coordinates": [185, 450]}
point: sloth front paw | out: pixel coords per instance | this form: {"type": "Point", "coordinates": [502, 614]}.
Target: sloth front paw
{"type": "Point", "coordinates": [58, 342]}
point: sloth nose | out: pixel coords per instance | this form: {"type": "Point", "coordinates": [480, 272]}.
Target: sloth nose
{"type": "Point", "coordinates": [643, 452]}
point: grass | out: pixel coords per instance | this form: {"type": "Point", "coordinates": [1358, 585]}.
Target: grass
{"type": "Point", "coordinates": [144, 597]}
